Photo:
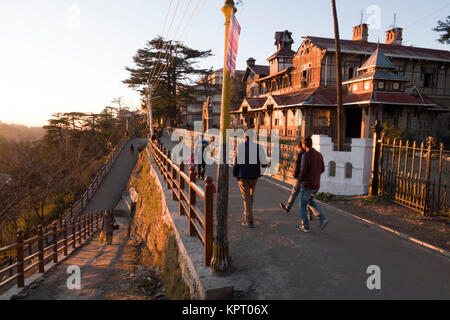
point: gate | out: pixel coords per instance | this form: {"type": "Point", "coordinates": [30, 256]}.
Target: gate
{"type": "Point", "coordinates": [414, 174]}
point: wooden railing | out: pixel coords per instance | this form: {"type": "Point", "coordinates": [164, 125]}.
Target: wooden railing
{"type": "Point", "coordinates": [79, 205]}
{"type": "Point", "coordinates": [200, 223]}
{"type": "Point", "coordinates": [61, 237]}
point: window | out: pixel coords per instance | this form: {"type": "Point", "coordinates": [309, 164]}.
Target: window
{"type": "Point", "coordinates": [396, 86]}
{"type": "Point", "coordinates": [351, 73]}
{"type": "Point", "coordinates": [367, 85]}
{"type": "Point", "coordinates": [321, 118]}
{"type": "Point", "coordinates": [348, 170]}
{"type": "Point", "coordinates": [429, 78]}
{"type": "Point", "coordinates": [355, 87]}
{"type": "Point", "coordinates": [332, 169]}
{"type": "Point", "coordinates": [381, 85]}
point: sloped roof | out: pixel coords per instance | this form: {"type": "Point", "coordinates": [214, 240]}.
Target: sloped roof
{"type": "Point", "coordinates": [282, 52]}
{"type": "Point", "coordinates": [379, 75]}
{"type": "Point", "coordinates": [390, 50]}
{"type": "Point", "coordinates": [378, 60]}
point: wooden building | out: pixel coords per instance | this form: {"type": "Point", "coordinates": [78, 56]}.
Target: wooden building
{"type": "Point", "coordinates": [409, 87]}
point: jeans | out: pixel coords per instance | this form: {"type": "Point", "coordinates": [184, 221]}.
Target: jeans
{"type": "Point", "coordinates": [294, 193]}
{"type": "Point", "coordinates": [307, 198]}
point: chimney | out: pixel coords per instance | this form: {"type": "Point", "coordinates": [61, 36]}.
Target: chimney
{"type": "Point", "coordinates": [361, 32]}
{"type": "Point", "coordinates": [251, 62]}
{"type": "Point", "coordinates": [394, 36]}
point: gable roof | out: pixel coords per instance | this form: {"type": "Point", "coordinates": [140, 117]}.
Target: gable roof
{"type": "Point", "coordinates": [256, 69]}
{"type": "Point", "coordinates": [390, 50]}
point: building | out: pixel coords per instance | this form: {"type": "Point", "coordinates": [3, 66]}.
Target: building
{"type": "Point", "coordinates": [409, 87]}
{"type": "Point", "coordinates": [208, 95]}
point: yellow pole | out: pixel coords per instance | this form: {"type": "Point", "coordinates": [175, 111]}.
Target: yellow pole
{"type": "Point", "coordinates": [221, 261]}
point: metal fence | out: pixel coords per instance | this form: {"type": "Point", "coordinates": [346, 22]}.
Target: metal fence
{"type": "Point", "coordinates": [415, 175]}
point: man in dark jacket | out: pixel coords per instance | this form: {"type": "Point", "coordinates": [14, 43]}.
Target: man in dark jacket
{"type": "Point", "coordinates": [311, 169]}
{"type": "Point", "coordinates": [247, 170]}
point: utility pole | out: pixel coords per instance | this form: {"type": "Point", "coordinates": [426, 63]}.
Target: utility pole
{"type": "Point", "coordinates": [149, 106]}
{"type": "Point", "coordinates": [221, 261]}
{"type": "Point", "coordinates": [337, 42]}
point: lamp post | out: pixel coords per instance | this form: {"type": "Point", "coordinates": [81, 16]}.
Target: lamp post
{"type": "Point", "coordinates": [221, 261]}
{"type": "Point", "coordinates": [337, 42]}
{"type": "Point", "coordinates": [149, 107]}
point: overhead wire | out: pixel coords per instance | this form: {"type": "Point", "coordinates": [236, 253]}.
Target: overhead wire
{"type": "Point", "coordinates": [188, 27]}
{"type": "Point", "coordinates": [161, 67]}
{"type": "Point", "coordinates": [160, 39]}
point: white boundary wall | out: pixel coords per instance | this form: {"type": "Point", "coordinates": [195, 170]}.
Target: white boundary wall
{"type": "Point", "coordinates": [360, 158]}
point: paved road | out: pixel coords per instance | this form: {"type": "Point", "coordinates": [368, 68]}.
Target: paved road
{"type": "Point", "coordinates": [110, 191]}
{"type": "Point", "coordinates": [330, 264]}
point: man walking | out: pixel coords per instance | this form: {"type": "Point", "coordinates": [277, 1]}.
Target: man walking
{"type": "Point", "coordinates": [311, 169]}
{"type": "Point", "coordinates": [247, 170]}
{"type": "Point", "coordinates": [297, 183]}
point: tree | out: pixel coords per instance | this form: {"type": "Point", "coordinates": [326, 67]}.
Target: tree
{"type": "Point", "coordinates": [444, 27]}
{"type": "Point", "coordinates": [172, 68]}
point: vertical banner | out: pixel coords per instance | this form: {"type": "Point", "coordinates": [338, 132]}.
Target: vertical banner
{"type": "Point", "coordinates": [233, 44]}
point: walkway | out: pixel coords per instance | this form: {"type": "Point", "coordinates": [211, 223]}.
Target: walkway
{"type": "Point", "coordinates": [102, 266]}
{"type": "Point", "coordinates": [330, 264]}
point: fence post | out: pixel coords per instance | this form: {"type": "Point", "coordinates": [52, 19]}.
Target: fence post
{"type": "Point", "coordinates": [192, 199]}
{"type": "Point", "coordinates": [181, 183]}
{"type": "Point", "coordinates": [65, 237]}
{"type": "Point", "coordinates": [374, 179]}
{"type": "Point", "coordinates": [74, 238]}
{"type": "Point", "coordinates": [96, 221]}
{"type": "Point", "coordinates": [79, 230]}
{"type": "Point", "coordinates": [84, 227]}
{"type": "Point", "coordinates": [169, 171]}
{"type": "Point", "coordinates": [41, 249]}
{"type": "Point", "coordinates": [55, 243]}
{"type": "Point", "coordinates": [20, 266]}
{"type": "Point", "coordinates": [427, 183]}
{"type": "Point", "coordinates": [60, 221]}
{"type": "Point", "coordinates": [208, 210]}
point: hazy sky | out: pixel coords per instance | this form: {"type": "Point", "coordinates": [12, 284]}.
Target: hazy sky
{"type": "Point", "coordinates": [60, 56]}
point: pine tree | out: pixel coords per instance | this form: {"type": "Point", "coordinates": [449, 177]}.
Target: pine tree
{"type": "Point", "coordinates": [176, 66]}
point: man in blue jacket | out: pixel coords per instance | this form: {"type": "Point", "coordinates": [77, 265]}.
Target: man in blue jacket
{"type": "Point", "coordinates": [247, 170]}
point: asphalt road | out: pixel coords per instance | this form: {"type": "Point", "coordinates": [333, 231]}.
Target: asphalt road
{"type": "Point", "coordinates": [284, 263]}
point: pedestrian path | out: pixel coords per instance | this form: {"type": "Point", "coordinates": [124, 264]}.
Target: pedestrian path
{"type": "Point", "coordinates": [284, 263]}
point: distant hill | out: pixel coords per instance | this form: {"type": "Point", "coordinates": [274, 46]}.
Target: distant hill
{"type": "Point", "coordinates": [20, 132]}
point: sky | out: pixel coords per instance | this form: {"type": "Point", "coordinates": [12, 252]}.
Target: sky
{"type": "Point", "coordinates": [63, 56]}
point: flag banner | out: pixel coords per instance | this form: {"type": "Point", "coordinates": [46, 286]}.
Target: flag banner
{"type": "Point", "coordinates": [233, 44]}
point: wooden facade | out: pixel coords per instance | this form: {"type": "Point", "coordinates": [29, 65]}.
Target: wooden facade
{"type": "Point", "coordinates": [416, 99]}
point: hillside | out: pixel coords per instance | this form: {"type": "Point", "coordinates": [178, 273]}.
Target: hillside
{"type": "Point", "coordinates": [20, 132]}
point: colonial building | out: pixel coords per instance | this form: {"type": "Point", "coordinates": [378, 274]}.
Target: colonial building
{"type": "Point", "coordinates": [208, 95]}
{"type": "Point", "coordinates": [409, 87]}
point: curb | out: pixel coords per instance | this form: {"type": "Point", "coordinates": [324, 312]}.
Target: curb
{"type": "Point", "coordinates": [375, 225]}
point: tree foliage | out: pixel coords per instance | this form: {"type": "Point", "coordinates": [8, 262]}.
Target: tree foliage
{"type": "Point", "coordinates": [444, 28]}
{"type": "Point", "coordinates": [175, 65]}
{"type": "Point", "coordinates": [41, 179]}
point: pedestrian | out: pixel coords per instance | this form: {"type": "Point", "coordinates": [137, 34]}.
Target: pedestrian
{"type": "Point", "coordinates": [201, 167]}
{"type": "Point", "coordinates": [108, 223]}
{"type": "Point", "coordinates": [297, 183]}
{"type": "Point", "coordinates": [131, 149]}
{"type": "Point", "coordinates": [311, 169]}
{"type": "Point", "coordinates": [247, 170]}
